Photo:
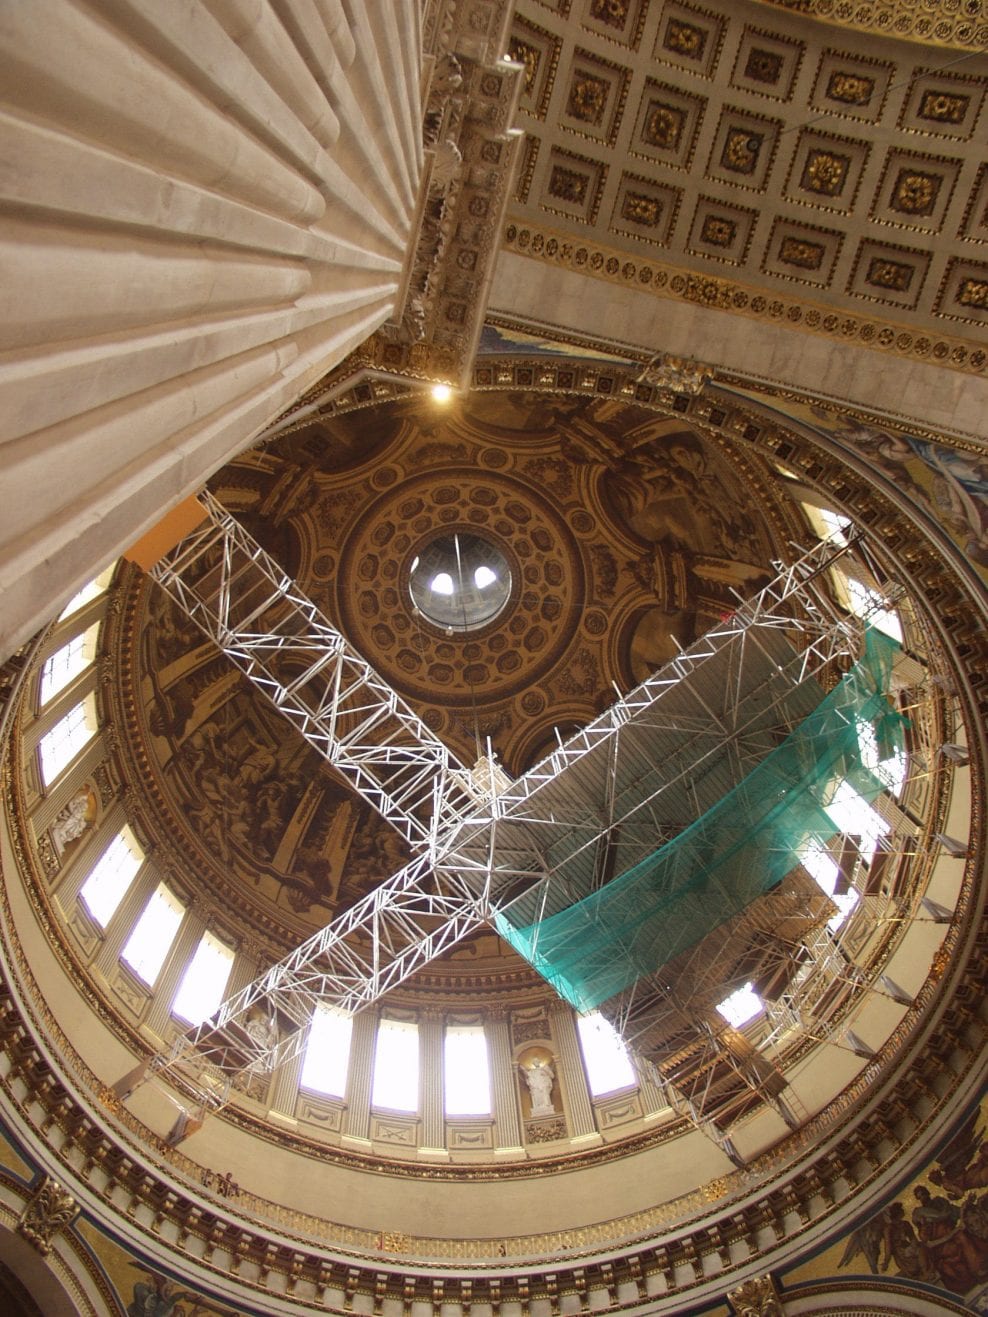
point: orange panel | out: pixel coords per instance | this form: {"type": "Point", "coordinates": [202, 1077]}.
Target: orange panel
{"type": "Point", "coordinates": [166, 533]}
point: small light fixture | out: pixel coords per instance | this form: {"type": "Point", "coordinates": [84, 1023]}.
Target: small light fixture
{"type": "Point", "coordinates": [441, 393]}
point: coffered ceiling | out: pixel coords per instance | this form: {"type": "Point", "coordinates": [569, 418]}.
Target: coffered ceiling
{"type": "Point", "coordinates": [745, 141]}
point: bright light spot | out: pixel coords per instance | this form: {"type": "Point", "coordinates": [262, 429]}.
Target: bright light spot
{"type": "Point", "coordinates": [153, 934]}
{"type": "Point", "coordinates": [483, 576]}
{"type": "Point", "coordinates": [441, 393]}
{"type": "Point", "coordinates": [845, 903]}
{"type": "Point", "coordinates": [837, 526]}
{"type": "Point", "coordinates": [111, 876]}
{"type": "Point", "coordinates": [88, 592]}
{"type": "Point", "coordinates": [856, 818]}
{"type": "Point", "coordinates": [604, 1055]}
{"type": "Point", "coordinates": [396, 1066]}
{"type": "Point", "coordinates": [442, 583]}
{"type": "Point", "coordinates": [893, 772]}
{"type": "Point", "coordinates": [66, 663]}
{"type": "Point", "coordinates": [466, 1071]}
{"type": "Point", "coordinates": [61, 745]}
{"type": "Point", "coordinates": [201, 990]}
{"type": "Point", "coordinates": [868, 603]}
{"type": "Point", "coordinates": [741, 1006]}
{"type": "Point", "coordinates": [327, 1051]}
{"type": "Point", "coordinates": [821, 867]}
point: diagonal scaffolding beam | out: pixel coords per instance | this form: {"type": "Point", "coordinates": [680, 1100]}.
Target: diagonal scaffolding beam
{"type": "Point", "coordinates": [248, 605]}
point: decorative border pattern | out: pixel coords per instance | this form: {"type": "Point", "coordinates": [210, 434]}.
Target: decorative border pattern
{"type": "Point", "coordinates": [932, 22]}
{"type": "Point", "coordinates": [669, 281]}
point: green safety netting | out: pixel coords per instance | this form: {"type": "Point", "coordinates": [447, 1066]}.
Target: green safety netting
{"type": "Point", "coordinates": [739, 849]}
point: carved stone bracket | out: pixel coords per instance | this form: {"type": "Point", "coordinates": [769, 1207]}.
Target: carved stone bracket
{"type": "Point", "coordinates": [49, 1209]}
{"type": "Point", "coordinates": [757, 1297]}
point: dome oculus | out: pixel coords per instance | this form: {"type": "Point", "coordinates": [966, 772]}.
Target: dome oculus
{"type": "Point", "coordinates": [459, 581]}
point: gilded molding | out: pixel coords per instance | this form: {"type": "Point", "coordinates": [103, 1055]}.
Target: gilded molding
{"type": "Point", "coordinates": [931, 22]}
{"type": "Point", "coordinates": [556, 248]}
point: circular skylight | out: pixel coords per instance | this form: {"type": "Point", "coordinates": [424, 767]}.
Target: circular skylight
{"type": "Point", "coordinates": [459, 581]}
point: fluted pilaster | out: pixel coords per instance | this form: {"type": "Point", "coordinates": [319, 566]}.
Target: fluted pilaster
{"type": "Point", "coordinates": [360, 1076]}
{"type": "Point", "coordinates": [431, 1081]}
{"type": "Point", "coordinates": [573, 1079]}
{"type": "Point", "coordinates": [507, 1118]}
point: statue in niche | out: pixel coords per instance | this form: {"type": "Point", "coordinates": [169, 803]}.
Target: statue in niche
{"type": "Point", "coordinates": [71, 822]}
{"type": "Point", "coordinates": [263, 1032]}
{"type": "Point", "coordinates": [539, 1076]}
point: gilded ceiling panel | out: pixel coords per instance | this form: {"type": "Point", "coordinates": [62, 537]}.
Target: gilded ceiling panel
{"type": "Point", "coordinates": [806, 154]}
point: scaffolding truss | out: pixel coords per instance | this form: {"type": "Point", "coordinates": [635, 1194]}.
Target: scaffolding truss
{"type": "Point", "coordinates": [406, 922]}
{"type": "Point", "coordinates": [596, 806]}
{"type": "Point", "coordinates": [225, 582]}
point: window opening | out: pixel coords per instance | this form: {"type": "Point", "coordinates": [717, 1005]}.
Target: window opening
{"type": "Point", "coordinates": [66, 663]}
{"type": "Point", "coordinates": [61, 745]}
{"type": "Point", "coordinates": [204, 982]}
{"type": "Point", "coordinates": [396, 1066]}
{"type": "Point", "coordinates": [153, 934]}
{"type": "Point", "coordinates": [892, 771]}
{"type": "Point", "coordinates": [605, 1056]}
{"type": "Point", "coordinates": [866, 602]}
{"type": "Point", "coordinates": [111, 876]}
{"type": "Point", "coordinates": [327, 1051]}
{"type": "Point", "coordinates": [740, 1006]}
{"type": "Point", "coordinates": [459, 581]}
{"type": "Point", "coordinates": [825, 871]}
{"type": "Point", "coordinates": [466, 1071]}
{"type": "Point", "coordinates": [856, 818]}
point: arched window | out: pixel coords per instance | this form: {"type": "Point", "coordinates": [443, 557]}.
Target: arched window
{"type": "Point", "coordinates": [61, 745]}
{"type": "Point", "coordinates": [153, 934]}
{"type": "Point", "coordinates": [466, 1071]}
{"type": "Point", "coordinates": [204, 982]}
{"type": "Point", "coordinates": [89, 591]}
{"type": "Point", "coordinates": [66, 663]}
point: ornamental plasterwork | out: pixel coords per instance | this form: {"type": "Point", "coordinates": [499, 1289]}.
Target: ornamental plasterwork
{"type": "Point", "coordinates": [756, 1298]}
{"type": "Point", "coordinates": [683, 138]}
{"type": "Point", "coordinates": [947, 23]}
{"type": "Point", "coordinates": [661, 279]}
{"type": "Point", "coordinates": [49, 1210]}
